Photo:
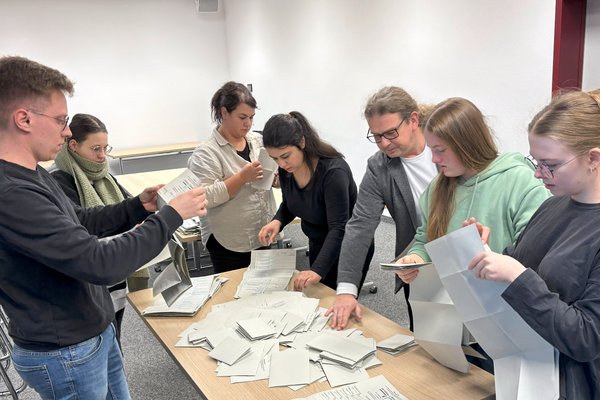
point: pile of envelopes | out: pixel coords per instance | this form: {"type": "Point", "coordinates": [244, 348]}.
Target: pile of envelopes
{"type": "Point", "coordinates": [244, 336]}
{"type": "Point", "coordinates": [396, 344]}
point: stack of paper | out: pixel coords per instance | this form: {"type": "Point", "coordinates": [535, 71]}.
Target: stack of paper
{"type": "Point", "coordinates": [341, 350]}
{"type": "Point", "coordinates": [396, 344]}
{"type": "Point", "coordinates": [188, 304]}
{"type": "Point", "coordinates": [256, 329]}
{"type": "Point", "coordinates": [190, 226]}
{"type": "Point", "coordinates": [396, 267]}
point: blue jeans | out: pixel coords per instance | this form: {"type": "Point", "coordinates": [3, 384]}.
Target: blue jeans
{"type": "Point", "coordinates": [92, 369]}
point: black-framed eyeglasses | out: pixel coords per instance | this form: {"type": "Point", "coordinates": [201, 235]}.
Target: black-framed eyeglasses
{"type": "Point", "coordinates": [62, 121]}
{"type": "Point", "coordinates": [99, 149]}
{"type": "Point", "coordinates": [389, 135]}
{"type": "Point", "coordinates": [545, 169]}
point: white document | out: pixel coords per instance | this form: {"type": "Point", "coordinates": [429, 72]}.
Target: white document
{"type": "Point", "coordinates": [338, 375]}
{"type": "Point", "coordinates": [189, 302]}
{"type": "Point", "coordinates": [269, 270]}
{"type": "Point", "coordinates": [269, 169]}
{"type": "Point", "coordinates": [290, 367]}
{"type": "Point", "coordinates": [376, 388]}
{"type": "Point", "coordinates": [230, 350]}
{"type": "Point", "coordinates": [522, 359]}
{"type": "Point", "coordinates": [187, 180]}
{"type": "Point", "coordinates": [438, 328]}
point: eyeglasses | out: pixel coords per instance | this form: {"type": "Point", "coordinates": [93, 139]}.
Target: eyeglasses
{"type": "Point", "coordinates": [99, 149]}
{"type": "Point", "coordinates": [389, 135]}
{"type": "Point", "coordinates": [62, 121]}
{"type": "Point", "coordinates": [546, 170]}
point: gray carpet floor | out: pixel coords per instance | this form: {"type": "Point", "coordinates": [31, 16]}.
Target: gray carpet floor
{"type": "Point", "coordinates": [151, 372]}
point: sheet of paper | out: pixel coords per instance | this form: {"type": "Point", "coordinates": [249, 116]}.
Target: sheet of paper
{"type": "Point", "coordinates": [338, 375]}
{"type": "Point", "coordinates": [269, 270]}
{"type": "Point", "coordinates": [269, 170]}
{"type": "Point", "coordinates": [438, 328]}
{"type": "Point", "coordinates": [230, 350]}
{"type": "Point", "coordinates": [502, 333]}
{"type": "Point", "coordinates": [290, 367]}
{"type": "Point", "coordinates": [376, 388]}
{"type": "Point", "coordinates": [187, 180]}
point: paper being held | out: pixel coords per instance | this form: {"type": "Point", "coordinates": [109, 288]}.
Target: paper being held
{"type": "Point", "coordinates": [187, 180]}
{"type": "Point", "coordinates": [269, 169]}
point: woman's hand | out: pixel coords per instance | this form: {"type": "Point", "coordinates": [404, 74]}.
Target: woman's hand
{"type": "Point", "coordinates": [251, 172]}
{"type": "Point", "coordinates": [267, 233]}
{"type": "Point", "coordinates": [495, 267]}
{"type": "Point", "coordinates": [410, 274]}
{"type": "Point", "coordinates": [305, 279]}
{"type": "Point", "coordinates": [484, 231]}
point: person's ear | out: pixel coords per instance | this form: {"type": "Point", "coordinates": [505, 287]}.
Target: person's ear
{"type": "Point", "coordinates": [302, 143]}
{"type": "Point", "coordinates": [594, 158]}
{"type": "Point", "coordinates": [22, 120]}
{"type": "Point", "coordinates": [224, 112]}
{"type": "Point", "coordinates": [73, 145]}
{"type": "Point", "coordinates": [413, 119]}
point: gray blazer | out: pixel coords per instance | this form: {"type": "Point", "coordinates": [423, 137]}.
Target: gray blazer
{"type": "Point", "coordinates": [384, 184]}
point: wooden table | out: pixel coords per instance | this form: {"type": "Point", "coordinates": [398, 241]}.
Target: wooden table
{"type": "Point", "coordinates": [414, 373]}
{"type": "Point", "coordinates": [151, 150]}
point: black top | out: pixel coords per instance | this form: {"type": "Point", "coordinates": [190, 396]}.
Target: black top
{"type": "Point", "coordinates": [67, 183]}
{"type": "Point", "coordinates": [559, 294]}
{"type": "Point", "coordinates": [54, 268]}
{"type": "Point", "coordinates": [324, 205]}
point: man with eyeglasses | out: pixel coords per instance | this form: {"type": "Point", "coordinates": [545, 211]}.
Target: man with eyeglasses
{"type": "Point", "coordinates": [395, 178]}
{"type": "Point", "coordinates": [54, 267]}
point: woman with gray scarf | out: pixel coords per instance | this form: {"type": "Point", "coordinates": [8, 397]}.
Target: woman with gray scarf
{"type": "Point", "coordinates": [83, 175]}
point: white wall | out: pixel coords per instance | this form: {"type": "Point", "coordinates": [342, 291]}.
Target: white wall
{"type": "Point", "coordinates": [591, 51]}
{"type": "Point", "coordinates": [149, 68]}
{"type": "Point", "coordinates": [146, 68]}
{"type": "Point", "coordinates": [324, 58]}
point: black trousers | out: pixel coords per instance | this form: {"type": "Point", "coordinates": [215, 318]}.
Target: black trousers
{"type": "Point", "coordinates": [223, 259]}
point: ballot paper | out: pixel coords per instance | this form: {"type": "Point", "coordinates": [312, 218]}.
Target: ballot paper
{"type": "Point", "coordinates": [175, 279]}
{"type": "Point", "coordinates": [188, 304]}
{"type": "Point", "coordinates": [269, 169]}
{"type": "Point", "coordinates": [396, 343]}
{"type": "Point", "coordinates": [230, 350]}
{"type": "Point", "coordinates": [269, 270]}
{"type": "Point", "coordinates": [522, 358]}
{"type": "Point", "coordinates": [187, 180]}
{"type": "Point", "coordinates": [376, 388]}
{"type": "Point", "coordinates": [290, 367]}
{"type": "Point", "coordinates": [438, 328]}
{"type": "Point", "coordinates": [396, 267]}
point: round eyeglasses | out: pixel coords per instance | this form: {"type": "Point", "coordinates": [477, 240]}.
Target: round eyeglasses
{"type": "Point", "coordinates": [62, 121]}
{"type": "Point", "coordinates": [545, 169]}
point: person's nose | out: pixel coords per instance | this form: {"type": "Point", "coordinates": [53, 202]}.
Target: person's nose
{"type": "Point", "coordinates": [384, 142]}
{"type": "Point", "coordinates": [66, 133]}
{"type": "Point", "coordinates": [435, 158]}
{"type": "Point", "coordinates": [538, 173]}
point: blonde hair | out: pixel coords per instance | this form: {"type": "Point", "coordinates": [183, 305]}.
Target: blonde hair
{"type": "Point", "coordinates": [461, 125]}
{"type": "Point", "coordinates": [572, 118]}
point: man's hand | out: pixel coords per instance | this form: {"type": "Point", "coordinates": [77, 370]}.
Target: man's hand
{"type": "Point", "coordinates": [149, 197]}
{"type": "Point", "coordinates": [344, 307]}
{"type": "Point", "coordinates": [190, 204]}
